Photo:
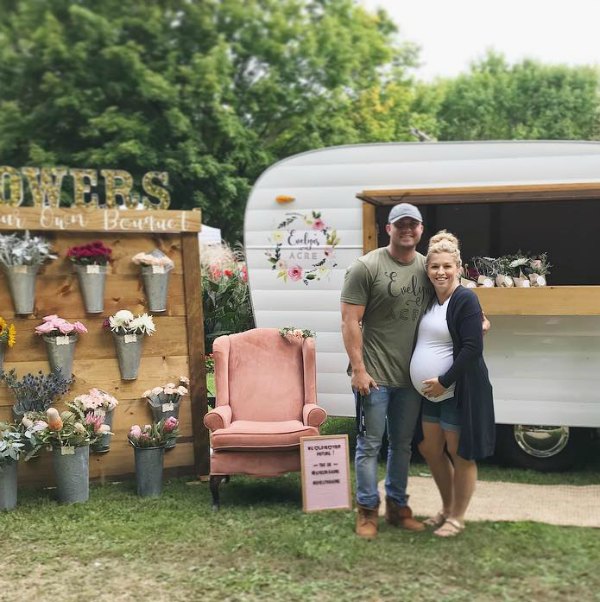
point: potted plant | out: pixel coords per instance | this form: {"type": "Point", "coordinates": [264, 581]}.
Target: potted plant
{"type": "Point", "coordinates": [164, 401]}
{"type": "Point", "coordinates": [11, 447]}
{"type": "Point", "coordinates": [35, 393]}
{"type": "Point", "coordinates": [517, 266]}
{"type": "Point", "coordinates": [487, 269]}
{"type": "Point", "coordinates": [156, 267]}
{"type": "Point", "coordinates": [128, 334]}
{"type": "Point", "coordinates": [540, 268]}
{"type": "Point", "coordinates": [91, 262]}
{"type": "Point", "coordinates": [504, 278]}
{"type": "Point", "coordinates": [21, 257]}
{"type": "Point", "coordinates": [68, 435]}
{"type": "Point", "coordinates": [99, 405]}
{"type": "Point", "coordinates": [149, 444]}
{"type": "Point", "coordinates": [7, 339]}
{"type": "Point", "coordinates": [60, 337]}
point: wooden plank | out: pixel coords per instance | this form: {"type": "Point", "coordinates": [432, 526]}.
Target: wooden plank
{"type": "Point", "coordinates": [483, 194]}
{"type": "Point", "coordinates": [543, 301]}
{"type": "Point", "coordinates": [62, 296]}
{"type": "Point", "coordinates": [104, 374]}
{"type": "Point", "coordinates": [195, 340]}
{"type": "Point", "coordinates": [369, 218]}
{"type": "Point", "coordinates": [97, 343]}
{"type": "Point", "coordinates": [82, 219]}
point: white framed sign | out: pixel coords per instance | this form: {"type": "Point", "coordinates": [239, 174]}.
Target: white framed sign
{"type": "Point", "coordinates": [325, 465]}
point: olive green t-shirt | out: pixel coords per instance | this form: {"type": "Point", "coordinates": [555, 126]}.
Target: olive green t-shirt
{"type": "Point", "coordinates": [394, 295]}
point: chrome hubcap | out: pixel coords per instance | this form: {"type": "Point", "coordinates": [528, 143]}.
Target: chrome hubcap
{"type": "Point", "coordinates": [541, 441]}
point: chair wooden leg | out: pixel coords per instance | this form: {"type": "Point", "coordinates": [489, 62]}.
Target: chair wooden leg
{"type": "Point", "coordinates": [215, 481]}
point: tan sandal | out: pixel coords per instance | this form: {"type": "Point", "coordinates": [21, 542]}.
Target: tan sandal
{"type": "Point", "coordinates": [435, 522]}
{"type": "Point", "coordinates": [450, 528]}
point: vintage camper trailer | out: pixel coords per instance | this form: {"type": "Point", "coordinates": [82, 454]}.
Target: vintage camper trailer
{"type": "Point", "coordinates": [309, 216]}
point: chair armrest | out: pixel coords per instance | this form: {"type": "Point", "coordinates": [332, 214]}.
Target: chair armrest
{"type": "Point", "coordinates": [219, 418]}
{"type": "Point", "coordinates": [313, 415]}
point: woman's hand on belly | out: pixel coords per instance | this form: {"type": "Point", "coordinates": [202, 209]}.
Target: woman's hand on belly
{"type": "Point", "coordinates": [432, 388]}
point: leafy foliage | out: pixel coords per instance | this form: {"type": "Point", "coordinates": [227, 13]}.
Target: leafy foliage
{"type": "Point", "coordinates": [212, 92]}
{"type": "Point", "coordinates": [528, 100]}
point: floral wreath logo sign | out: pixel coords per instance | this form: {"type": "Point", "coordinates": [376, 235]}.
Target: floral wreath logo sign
{"type": "Point", "coordinates": [304, 248]}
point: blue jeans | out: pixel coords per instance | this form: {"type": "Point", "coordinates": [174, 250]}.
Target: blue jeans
{"type": "Point", "coordinates": [401, 407]}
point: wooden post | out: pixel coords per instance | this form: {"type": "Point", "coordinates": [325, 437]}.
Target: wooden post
{"type": "Point", "coordinates": [369, 227]}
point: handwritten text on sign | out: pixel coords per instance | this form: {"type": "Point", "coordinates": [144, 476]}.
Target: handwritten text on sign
{"type": "Point", "coordinates": [99, 220]}
{"type": "Point", "coordinates": [325, 473]}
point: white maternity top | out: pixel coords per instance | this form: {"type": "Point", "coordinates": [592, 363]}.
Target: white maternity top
{"type": "Point", "coordinates": [432, 356]}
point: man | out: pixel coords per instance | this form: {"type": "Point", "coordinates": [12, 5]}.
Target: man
{"type": "Point", "coordinates": [386, 292]}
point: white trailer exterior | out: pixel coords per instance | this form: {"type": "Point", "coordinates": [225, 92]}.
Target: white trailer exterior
{"type": "Point", "coordinates": [545, 369]}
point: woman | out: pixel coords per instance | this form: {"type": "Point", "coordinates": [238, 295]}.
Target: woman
{"type": "Point", "coordinates": [447, 367]}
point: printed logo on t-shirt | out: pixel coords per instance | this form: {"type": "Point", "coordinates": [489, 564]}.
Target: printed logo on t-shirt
{"type": "Point", "coordinates": [413, 294]}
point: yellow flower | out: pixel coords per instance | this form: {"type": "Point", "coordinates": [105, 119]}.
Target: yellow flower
{"type": "Point", "coordinates": [2, 324]}
{"type": "Point", "coordinates": [12, 335]}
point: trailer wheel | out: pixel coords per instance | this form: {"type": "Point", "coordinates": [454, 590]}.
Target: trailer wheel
{"type": "Point", "coordinates": [542, 448]}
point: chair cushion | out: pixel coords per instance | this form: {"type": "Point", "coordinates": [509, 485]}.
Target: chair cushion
{"type": "Point", "coordinates": [252, 435]}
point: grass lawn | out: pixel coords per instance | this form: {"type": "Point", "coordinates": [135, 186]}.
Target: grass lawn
{"type": "Point", "coordinates": [261, 546]}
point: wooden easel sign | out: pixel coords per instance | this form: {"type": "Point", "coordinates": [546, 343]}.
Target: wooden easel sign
{"type": "Point", "coordinates": [325, 466]}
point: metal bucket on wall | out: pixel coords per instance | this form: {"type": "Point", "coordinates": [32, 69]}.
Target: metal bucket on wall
{"type": "Point", "coordinates": [92, 279]}
{"type": "Point", "coordinates": [129, 354]}
{"type": "Point", "coordinates": [60, 352]}
{"type": "Point", "coordinates": [21, 283]}
{"type": "Point", "coordinates": [156, 285]}
{"type": "Point", "coordinates": [103, 444]}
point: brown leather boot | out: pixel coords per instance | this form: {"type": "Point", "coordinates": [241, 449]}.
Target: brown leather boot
{"type": "Point", "coordinates": [366, 521]}
{"type": "Point", "coordinates": [401, 516]}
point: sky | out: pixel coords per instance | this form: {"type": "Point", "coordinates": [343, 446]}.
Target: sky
{"type": "Point", "coordinates": [453, 33]}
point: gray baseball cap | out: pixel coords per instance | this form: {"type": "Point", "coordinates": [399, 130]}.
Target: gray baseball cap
{"type": "Point", "coordinates": [404, 210]}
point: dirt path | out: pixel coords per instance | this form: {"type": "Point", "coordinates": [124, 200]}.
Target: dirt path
{"type": "Point", "coordinates": [566, 505]}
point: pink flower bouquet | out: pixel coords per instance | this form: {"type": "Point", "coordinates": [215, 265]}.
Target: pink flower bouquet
{"type": "Point", "coordinates": [55, 327]}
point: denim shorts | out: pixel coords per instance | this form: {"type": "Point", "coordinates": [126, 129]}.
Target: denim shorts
{"type": "Point", "coordinates": [445, 412]}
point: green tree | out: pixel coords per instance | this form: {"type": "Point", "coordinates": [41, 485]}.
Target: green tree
{"type": "Point", "coordinates": [211, 91]}
{"type": "Point", "coordinates": [528, 100]}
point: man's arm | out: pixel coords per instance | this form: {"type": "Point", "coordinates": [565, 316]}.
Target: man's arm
{"type": "Point", "coordinates": [352, 316]}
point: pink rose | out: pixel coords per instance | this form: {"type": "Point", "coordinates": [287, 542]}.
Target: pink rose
{"type": "Point", "coordinates": [44, 328]}
{"type": "Point", "coordinates": [318, 224]}
{"type": "Point", "coordinates": [79, 327]}
{"type": "Point", "coordinates": [135, 431]}
{"type": "Point", "coordinates": [66, 327]}
{"type": "Point", "coordinates": [295, 273]}
{"type": "Point", "coordinates": [50, 318]}
{"type": "Point", "coordinates": [171, 424]}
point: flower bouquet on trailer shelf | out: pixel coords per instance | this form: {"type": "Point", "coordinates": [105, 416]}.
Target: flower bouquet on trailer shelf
{"type": "Point", "coordinates": [12, 443]}
{"type": "Point", "coordinates": [60, 337]}
{"type": "Point", "coordinates": [91, 264]}
{"type": "Point", "coordinates": [35, 393]}
{"type": "Point", "coordinates": [98, 407]}
{"type": "Point", "coordinates": [485, 269]}
{"type": "Point", "coordinates": [149, 443]}
{"type": "Point", "coordinates": [21, 257]}
{"type": "Point", "coordinates": [8, 337]}
{"type": "Point", "coordinates": [155, 267]}
{"type": "Point", "coordinates": [128, 333]}
{"type": "Point", "coordinates": [164, 401]}
{"type": "Point", "coordinates": [68, 435]}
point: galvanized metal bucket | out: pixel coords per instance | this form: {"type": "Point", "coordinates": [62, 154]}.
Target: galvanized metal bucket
{"type": "Point", "coordinates": [72, 471]}
{"type": "Point", "coordinates": [60, 352]}
{"type": "Point", "coordinates": [129, 354]}
{"type": "Point", "coordinates": [149, 470]}
{"type": "Point", "coordinates": [8, 485]}
{"type": "Point", "coordinates": [21, 283]}
{"type": "Point", "coordinates": [103, 444]}
{"type": "Point", "coordinates": [156, 285]}
{"type": "Point", "coordinates": [91, 282]}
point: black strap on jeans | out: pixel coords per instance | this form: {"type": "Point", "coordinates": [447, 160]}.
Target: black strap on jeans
{"type": "Point", "coordinates": [361, 429]}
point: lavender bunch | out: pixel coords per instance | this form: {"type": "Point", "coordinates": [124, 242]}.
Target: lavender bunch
{"type": "Point", "coordinates": [35, 393]}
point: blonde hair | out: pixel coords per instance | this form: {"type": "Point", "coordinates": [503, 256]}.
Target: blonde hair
{"type": "Point", "coordinates": [444, 242]}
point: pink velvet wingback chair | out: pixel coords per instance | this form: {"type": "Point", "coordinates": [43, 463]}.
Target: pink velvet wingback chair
{"type": "Point", "coordinates": [266, 401]}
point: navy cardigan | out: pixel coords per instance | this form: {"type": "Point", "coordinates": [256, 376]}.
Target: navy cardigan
{"type": "Point", "coordinates": [473, 390]}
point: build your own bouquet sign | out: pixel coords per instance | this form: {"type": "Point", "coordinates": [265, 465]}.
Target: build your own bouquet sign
{"type": "Point", "coordinates": [302, 248]}
{"type": "Point", "coordinates": [325, 473]}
